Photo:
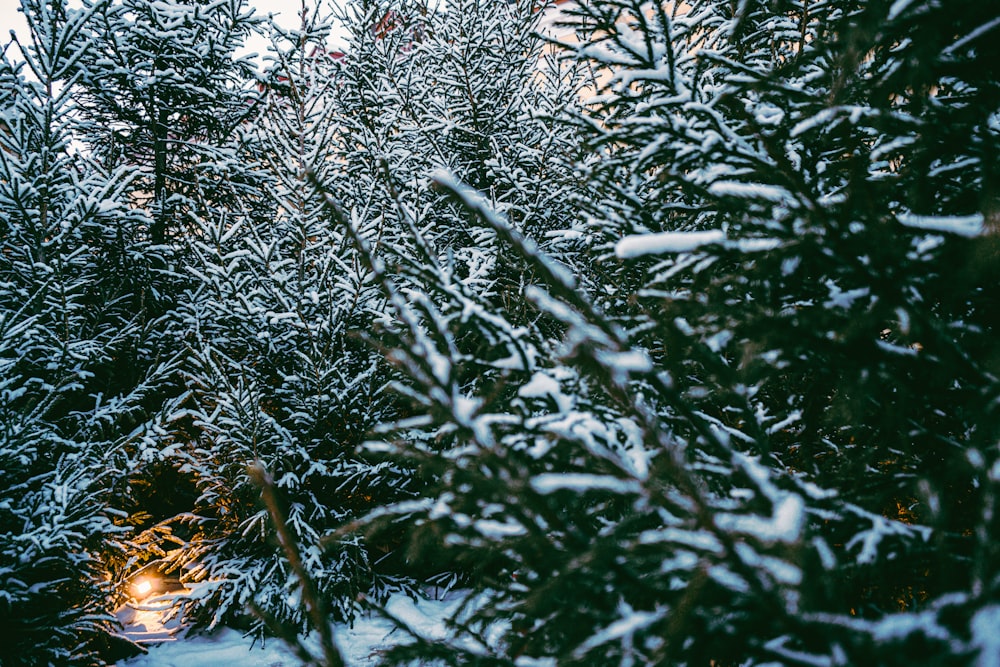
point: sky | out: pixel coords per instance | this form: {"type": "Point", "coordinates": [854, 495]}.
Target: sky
{"type": "Point", "coordinates": [285, 11]}
{"type": "Point", "coordinates": [10, 19]}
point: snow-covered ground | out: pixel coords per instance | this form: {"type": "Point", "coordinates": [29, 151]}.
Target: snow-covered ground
{"type": "Point", "coordinates": [359, 645]}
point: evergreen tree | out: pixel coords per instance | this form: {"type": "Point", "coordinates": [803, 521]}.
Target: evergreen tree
{"type": "Point", "coordinates": [163, 91]}
{"type": "Point", "coordinates": [769, 437]}
{"type": "Point", "coordinates": [464, 87]}
{"type": "Point", "coordinates": [161, 95]}
{"type": "Point", "coordinates": [67, 333]}
{"type": "Point", "coordinates": [695, 363]}
{"type": "Point", "coordinates": [277, 373]}
{"type": "Point", "coordinates": [824, 302]}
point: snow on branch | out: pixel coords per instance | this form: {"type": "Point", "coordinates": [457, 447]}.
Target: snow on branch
{"type": "Point", "coordinates": [961, 225]}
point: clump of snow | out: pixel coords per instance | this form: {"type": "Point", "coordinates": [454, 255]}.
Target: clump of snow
{"type": "Point", "coordinates": [628, 624]}
{"type": "Point", "coordinates": [898, 627]}
{"type": "Point", "coordinates": [843, 298]}
{"type": "Point", "coordinates": [769, 114]}
{"type": "Point", "coordinates": [881, 528]}
{"type": "Point", "coordinates": [785, 524]}
{"type": "Point", "coordinates": [638, 245]}
{"type": "Point", "coordinates": [898, 8]}
{"type": "Point", "coordinates": [543, 385]}
{"type": "Point", "coordinates": [580, 482]}
{"type": "Point", "coordinates": [771, 193]}
{"type": "Point", "coordinates": [962, 225]}
{"type": "Point", "coordinates": [985, 636]}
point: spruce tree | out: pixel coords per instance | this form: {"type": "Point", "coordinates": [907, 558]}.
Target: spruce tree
{"type": "Point", "coordinates": [277, 373]}
{"type": "Point", "coordinates": [163, 91]}
{"type": "Point", "coordinates": [463, 87]}
{"type": "Point", "coordinates": [68, 332]}
{"type": "Point", "coordinates": [161, 95]}
{"type": "Point", "coordinates": [812, 152]}
{"type": "Point", "coordinates": [769, 436]}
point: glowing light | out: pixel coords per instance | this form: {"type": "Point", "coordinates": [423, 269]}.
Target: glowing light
{"type": "Point", "coordinates": [142, 587]}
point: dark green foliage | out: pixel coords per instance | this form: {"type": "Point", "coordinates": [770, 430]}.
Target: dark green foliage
{"type": "Point", "coordinates": [770, 435]}
{"type": "Point", "coordinates": [834, 303]}
{"type": "Point", "coordinates": [67, 331]}
{"type": "Point", "coordinates": [691, 362]}
{"type": "Point", "coordinates": [277, 373]}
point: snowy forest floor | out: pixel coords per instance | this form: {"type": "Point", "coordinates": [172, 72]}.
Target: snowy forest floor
{"type": "Point", "coordinates": [360, 644]}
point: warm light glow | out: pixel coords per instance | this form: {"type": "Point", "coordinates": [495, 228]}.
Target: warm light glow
{"type": "Point", "coordinates": [142, 587]}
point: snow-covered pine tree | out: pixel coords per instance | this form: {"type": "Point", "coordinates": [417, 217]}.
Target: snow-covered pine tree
{"type": "Point", "coordinates": [278, 375]}
{"type": "Point", "coordinates": [814, 310]}
{"type": "Point", "coordinates": [163, 90]}
{"type": "Point", "coordinates": [71, 399]}
{"type": "Point", "coordinates": [778, 441]}
{"type": "Point", "coordinates": [462, 86]}
{"type": "Point", "coordinates": [160, 93]}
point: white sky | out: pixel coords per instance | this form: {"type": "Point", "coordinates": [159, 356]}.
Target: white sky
{"type": "Point", "coordinates": [10, 19]}
{"type": "Point", "coordinates": [285, 11]}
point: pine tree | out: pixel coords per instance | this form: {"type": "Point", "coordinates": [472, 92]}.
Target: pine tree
{"type": "Point", "coordinates": [771, 440]}
{"type": "Point", "coordinates": [278, 376]}
{"type": "Point", "coordinates": [163, 89]}
{"type": "Point", "coordinates": [68, 331]}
